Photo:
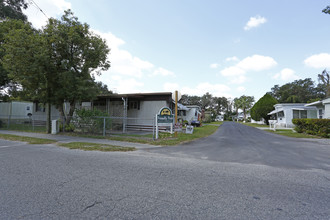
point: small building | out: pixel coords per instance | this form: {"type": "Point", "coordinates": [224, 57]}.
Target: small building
{"type": "Point", "coordinates": [285, 112]}
{"type": "Point", "coordinates": [323, 108]}
{"type": "Point", "coordinates": [189, 113]}
{"type": "Point", "coordinates": [16, 110]}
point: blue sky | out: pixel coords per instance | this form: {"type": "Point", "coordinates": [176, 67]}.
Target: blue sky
{"type": "Point", "coordinates": [227, 48]}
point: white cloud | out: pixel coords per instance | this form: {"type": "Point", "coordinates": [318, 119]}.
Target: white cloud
{"type": "Point", "coordinates": [321, 60]}
{"type": "Point", "coordinates": [257, 63]}
{"type": "Point", "coordinates": [255, 22]}
{"type": "Point", "coordinates": [120, 84]}
{"type": "Point", "coordinates": [52, 8]}
{"type": "Point", "coordinates": [237, 73]}
{"type": "Point", "coordinates": [214, 65]}
{"type": "Point", "coordinates": [218, 90]}
{"type": "Point", "coordinates": [170, 87]}
{"type": "Point", "coordinates": [239, 79]}
{"type": "Point", "coordinates": [229, 59]}
{"type": "Point", "coordinates": [286, 75]}
{"type": "Point", "coordinates": [162, 72]}
{"type": "Point", "coordinates": [241, 89]}
{"type": "Point", "coordinates": [233, 71]}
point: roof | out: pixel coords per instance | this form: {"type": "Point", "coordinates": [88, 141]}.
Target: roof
{"type": "Point", "coordinates": [135, 95]}
{"type": "Point", "coordinates": [314, 103]}
{"type": "Point", "coordinates": [275, 111]}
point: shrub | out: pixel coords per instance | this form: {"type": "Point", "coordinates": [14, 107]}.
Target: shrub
{"type": "Point", "coordinates": [319, 127]}
{"type": "Point", "coordinates": [91, 121]}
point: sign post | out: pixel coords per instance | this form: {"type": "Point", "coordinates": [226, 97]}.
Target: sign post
{"type": "Point", "coordinates": [165, 117]}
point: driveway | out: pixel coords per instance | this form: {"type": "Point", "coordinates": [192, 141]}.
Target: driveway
{"type": "Point", "coordinates": [234, 142]}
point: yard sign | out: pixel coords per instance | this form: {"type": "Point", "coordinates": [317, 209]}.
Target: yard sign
{"type": "Point", "coordinates": [164, 117]}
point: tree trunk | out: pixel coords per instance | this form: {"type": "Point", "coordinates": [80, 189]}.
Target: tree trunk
{"type": "Point", "coordinates": [72, 109]}
{"type": "Point", "coordinates": [48, 123]}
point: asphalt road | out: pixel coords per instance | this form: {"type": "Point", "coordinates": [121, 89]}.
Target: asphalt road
{"type": "Point", "coordinates": [238, 143]}
{"type": "Point", "coordinates": [49, 182]}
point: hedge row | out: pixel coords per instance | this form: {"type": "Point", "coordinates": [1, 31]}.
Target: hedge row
{"type": "Point", "coordinates": [319, 127]}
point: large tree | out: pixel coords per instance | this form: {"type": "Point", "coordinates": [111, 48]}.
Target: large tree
{"type": "Point", "coordinates": [245, 103]}
{"type": "Point", "coordinates": [56, 64]}
{"type": "Point", "coordinates": [9, 9]}
{"type": "Point", "coordinates": [324, 79]}
{"type": "Point", "coordinates": [12, 9]}
{"type": "Point", "coordinates": [298, 91]}
{"type": "Point", "coordinates": [262, 107]}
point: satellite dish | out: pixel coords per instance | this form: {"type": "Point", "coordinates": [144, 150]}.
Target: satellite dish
{"type": "Point", "coordinates": [179, 96]}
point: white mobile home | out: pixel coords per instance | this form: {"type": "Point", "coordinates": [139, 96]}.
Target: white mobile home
{"type": "Point", "coordinates": [323, 108]}
{"type": "Point", "coordinates": [16, 110]}
{"type": "Point", "coordinates": [284, 113]}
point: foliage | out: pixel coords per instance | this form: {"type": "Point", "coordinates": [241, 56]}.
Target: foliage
{"type": "Point", "coordinates": [326, 10]}
{"type": "Point", "coordinates": [299, 91]}
{"type": "Point", "coordinates": [262, 107]}
{"type": "Point", "coordinates": [324, 79]}
{"type": "Point", "coordinates": [244, 102]}
{"type": "Point", "coordinates": [102, 89]}
{"type": "Point", "coordinates": [67, 127]}
{"type": "Point", "coordinates": [90, 121]}
{"type": "Point", "coordinates": [12, 9]}
{"type": "Point", "coordinates": [56, 64]}
{"type": "Point", "coordinates": [319, 127]}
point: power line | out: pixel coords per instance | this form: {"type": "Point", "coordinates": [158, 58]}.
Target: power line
{"type": "Point", "coordinates": [31, 1]}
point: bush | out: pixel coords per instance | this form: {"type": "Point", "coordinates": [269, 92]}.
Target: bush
{"type": "Point", "coordinates": [91, 121]}
{"type": "Point", "coordinates": [67, 128]}
{"type": "Point", "coordinates": [319, 127]}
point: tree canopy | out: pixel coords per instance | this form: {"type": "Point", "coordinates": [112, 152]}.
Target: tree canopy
{"type": "Point", "coordinates": [262, 107]}
{"type": "Point", "coordinates": [12, 9]}
{"type": "Point", "coordinates": [324, 79]}
{"type": "Point", "coordinates": [56, 64]}
{"type": "Point", "coordinates": [245, 103]}
{"type": "Point", "coordinates": [299, 91]}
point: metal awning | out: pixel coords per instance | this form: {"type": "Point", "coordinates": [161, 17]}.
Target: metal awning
{"type": "Point", "coordinates": [182, 107]}
{"type": "Point", "coordinates": [275, 111]}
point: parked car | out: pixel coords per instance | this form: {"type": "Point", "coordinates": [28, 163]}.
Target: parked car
{"type": "Point", "coordinates": [195, 123]}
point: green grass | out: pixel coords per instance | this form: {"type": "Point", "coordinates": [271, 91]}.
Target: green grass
{"type": "Point", "coordinates": [95, 147]}
{"type": "Point", "coordinates": [30, 140]}
{"type": "Point", "coordinates": [290, 133]}
{"type": "Point", "coordinates": [254, 125]}
{"type": "Point", "coordinates": [23, 127]}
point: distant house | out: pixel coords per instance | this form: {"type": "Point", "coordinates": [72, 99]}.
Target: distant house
{"type": "Point", "coordinates": [16, 110]}
{"type": "Point", "coordinates": [189, 113]}
{"type": "Point", "coordinates": [323, 108]}
{"type": "Point", "coordinates": [284, 113]}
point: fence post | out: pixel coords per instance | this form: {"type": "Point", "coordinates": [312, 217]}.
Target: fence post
{"type": "Point", "coordinates": [104, 126]}
{"type": "Point", "coordinates": [32, 123]}
{"type": "Point", "coordinates": [153, 128]}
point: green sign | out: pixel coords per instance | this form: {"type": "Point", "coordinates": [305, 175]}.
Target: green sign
{"type": "Point", "coordinates": [165, 119]}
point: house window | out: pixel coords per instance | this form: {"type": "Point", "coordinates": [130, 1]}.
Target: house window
{"type": "Point", "coordinates": [320, 113]}
{"type": "Point", "coordinates": [299, 114]}
{"type": "Point", "coordinates": [280, 114]}
{"type": "Point", "coordinates": [40, 107]}
{"type": "Point", "coordinates": [134, 105]}
{"type": "Point", "coordinates": [303, 114]}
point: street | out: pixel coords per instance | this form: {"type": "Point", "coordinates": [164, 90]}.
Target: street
{"type": "Point", "coordinates": [233, 174]}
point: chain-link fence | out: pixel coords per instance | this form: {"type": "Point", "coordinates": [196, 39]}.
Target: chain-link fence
{"type": "Point", "coordinates": [86, 125]}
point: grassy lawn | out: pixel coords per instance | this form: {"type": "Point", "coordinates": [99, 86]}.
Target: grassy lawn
{"type": "Point", "coordinates": [95, 147]}
{"type": "Point", "coordinates": [30, 140]}
{"type": "Point", "coordinates": [24, 127]}
{"type": "Point", "coordinates": [254, 125]}
{"type": "Point", "coordinates": [291, 133]}
{"type": "Point", "coordinates": [169, 139]}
